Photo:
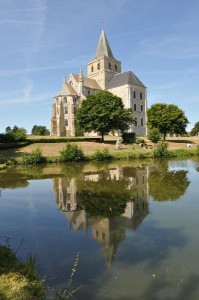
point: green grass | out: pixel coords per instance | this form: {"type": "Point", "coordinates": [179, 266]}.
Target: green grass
{"type": "Point", "coordinates": [18, 280]}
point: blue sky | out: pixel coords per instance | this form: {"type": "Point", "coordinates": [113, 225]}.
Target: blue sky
{"type": "Point", "coordinates": [43, 39]}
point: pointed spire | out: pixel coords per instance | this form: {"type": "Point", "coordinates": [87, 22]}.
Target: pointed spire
{"type": "Point", "coordinates": [80, 74]}
{"type": "Point", "coordinates": [64, 80]}
{"type": "Point", "coordinates": [66, 88]}
{"type": "Point", "coordinates": [103, 48]}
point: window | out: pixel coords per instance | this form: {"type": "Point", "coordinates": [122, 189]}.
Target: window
{"type": "Point", "coordinates": [66, 110]}
{"type": "Point", "coordinates": [141, 96]}
{"type": "Point", "coordinates": [134, 94]}
{"type": "Point", "coordinates": [116, 68]}
{"type": "Point", "coordinates": [89, 93]}
{"type": "Point", "coordinates": [141, 122]}
{"type": "Point", "coordinates": [66, 122]}
{"type": "Point", "coordinates": [109, 65]}
{"type": "Point", "coordinates": [136, 121]}
{"type": "Point", "coordinates": [141, 107]}
{"type": "Point", "coordinates": [92, 69]}
{"type": "Point", "coordinates": [98, 66]}
{"type": "Point", "coordinates": [65, 99]}
{"type": "Point", "coordinates": [134, 107]}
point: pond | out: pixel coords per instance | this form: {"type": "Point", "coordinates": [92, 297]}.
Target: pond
{"type": "Point", "coordinates": [134, 226]}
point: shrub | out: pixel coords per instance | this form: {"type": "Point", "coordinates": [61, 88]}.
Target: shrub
{"type": "Point", "coordinates": [182, 152]}
{"type": "Point", "coordinates": [35, 157]}
{"type": "Point", "coordinates": [197, 150]}
{"type": "Point", "coordinates": [162, 151]}
{"type": "Point", "coordinates": [154, 135]}
{"type": "Point", "coordinates": [72, 153]}
{"type": "Point", "coordinates": [64, 140]}
{"type": "Point", "coordinates": [139, 141]}
{"type": "Point", "coordinates": [128, 137]}
{"type": "Point", "coordinates": [101, 155]}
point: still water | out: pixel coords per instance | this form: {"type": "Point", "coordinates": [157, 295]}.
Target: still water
{"type": "Point", "coordinates": [134, 225]}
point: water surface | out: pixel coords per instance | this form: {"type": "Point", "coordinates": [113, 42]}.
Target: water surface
{"type": "Point", "coordinates": [135, 226]}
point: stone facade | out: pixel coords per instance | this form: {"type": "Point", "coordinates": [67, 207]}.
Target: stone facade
{"type": "Point", "coordinates": [103, 73]}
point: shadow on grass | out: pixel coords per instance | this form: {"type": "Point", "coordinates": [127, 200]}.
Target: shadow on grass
{"type": "Point", "coordinates": [180, 141]}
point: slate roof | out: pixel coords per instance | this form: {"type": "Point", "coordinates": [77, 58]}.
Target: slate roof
{"type": "Point", "coordinates": [124, 78]}
{"type": "Point", "coordinates": [103, 48]}
{"type": "Point", "coordinates": [88, 82]}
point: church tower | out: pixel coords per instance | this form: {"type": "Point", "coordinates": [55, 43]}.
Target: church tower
{"type": "Point", "coordinates": [104, 66]}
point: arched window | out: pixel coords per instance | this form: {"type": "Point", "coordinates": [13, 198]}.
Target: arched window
{"type": "Point", "coordinates": [65, 99]}
{"type": "Point", "coordinates": [141, 96]}
{"type": "Point", "coordinates": [66, 122]}
{"type": "Point", "coordinates": [116, 68]}
{"type": "Point", "coordinates": [141, 107]}
{"type": "Point", "coordinates": [141, 122]}
{"type": "Point", "coordinates": [109, 65]}
{"type": "Point", "coordinates": [92, 68]}
{"type": "Point", "coordinates": [89, 92]}
{"type": "Point", "coordinates": [134, 94]}
{"type": "Point", "coordinates": [98, 66]}
{"type": "Point", "coordinates": [134, 107]}
{"type": "Point", "coordinates": [66, 110]}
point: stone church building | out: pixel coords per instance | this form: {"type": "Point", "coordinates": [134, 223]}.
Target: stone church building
{"type": "Point", "coordinates": [103, 73]}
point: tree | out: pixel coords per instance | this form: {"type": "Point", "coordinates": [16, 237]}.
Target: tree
{"type": "Point", "coordinates": [154, 135]}
{"type": "Point", "coordinates": [102, 113]}
{"type": "Point", "coordinates": [195, 129]}
{"type": "Point", "coordinates": [167, 185]}
{"type": "Point", "coordinates": [40, 130]}
{"type": "Point", "coordinates": [168, 118]}
{"type": "Point", "coordinates": [15, 134]}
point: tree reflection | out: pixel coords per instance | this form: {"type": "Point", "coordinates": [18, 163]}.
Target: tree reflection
{"type": "Point", "coordinates": [168, 185]}
{"type": "Point", "coordinates": [107, 198]}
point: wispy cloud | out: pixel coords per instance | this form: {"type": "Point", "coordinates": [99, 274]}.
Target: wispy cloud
{"type": "Point", "coordinates": [26, 22]}
{"type": "Point", "coordinates": [75, 62]}
{"type": "Point", "coordinates": [172, 47]}
{"type": "Point", "coordinates": [25, 97]}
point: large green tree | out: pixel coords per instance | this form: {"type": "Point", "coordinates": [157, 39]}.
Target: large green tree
{"type": "Point", "coordinates": [195, 129]}
{"type": "Point", "coordinates": [168, 118]}
{"type": "Point", "coordinates": [103, 113]}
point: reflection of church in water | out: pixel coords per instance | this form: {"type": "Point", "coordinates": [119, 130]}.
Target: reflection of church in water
{"type": "Point", "coordinates": [109, 232]}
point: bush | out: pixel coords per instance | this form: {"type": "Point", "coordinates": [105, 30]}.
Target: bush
{"type": "Point", "coordinates": [154, 135]}
{"type": "Point", "coordinates": [128, 137]}
{"type": "Point", "coordinates": [182, 152]}
{"type": "Point", "coordinates": [64, 140]}
{"type": "Point", "coordinates": [35, 157]}
{"type": "Point", "coordinates": [101, 155]}
{"type": "Point", "coordinates": [140, 141]}
{"type": "Point", "coordinates": [72, 153]}
{"type": "Point", "coordinates": [197, 150]}
{"type": "Point", "coordinates": [162, 151]}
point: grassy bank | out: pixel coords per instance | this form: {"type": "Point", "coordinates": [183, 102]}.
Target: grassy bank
{"type": "Point", "coordinates": [18, 280]}
{"type": "Point", "coordinates": [96, 151]}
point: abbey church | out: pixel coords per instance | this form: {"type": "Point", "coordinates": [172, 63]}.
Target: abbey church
{"type": "Point", "coordinates": [103, 73]}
